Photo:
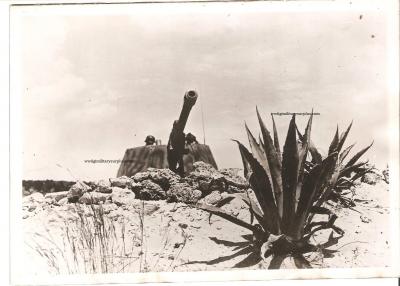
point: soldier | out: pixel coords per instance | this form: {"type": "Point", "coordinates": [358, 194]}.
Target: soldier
{"type": "Point", "coordinates": [150, 140]}
{"type": "Point", "coordinates": [190, 138]}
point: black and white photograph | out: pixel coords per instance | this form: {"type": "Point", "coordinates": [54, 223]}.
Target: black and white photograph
{"type": "Point", "coordinates": [213, 140]}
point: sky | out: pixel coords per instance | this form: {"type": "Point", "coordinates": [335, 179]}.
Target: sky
{"type": "Point", "coordinates": [95, 84]}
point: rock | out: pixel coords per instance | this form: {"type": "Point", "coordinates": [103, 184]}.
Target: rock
{"type": "Point", "coordinates": [212, 198]}
{"type": "Point", "coordinates": [121, 196]}
{"type": "Point", "coordinates": [365, 219]}
{"type": "Point", "coordinates": [121, 182]}
{"type": "Point", "coordinates": [182, 225]}
{"type": "Point", "coordinates": [141, 176]}
{"type": "Point", "coordinates": [234, 206]}
{"type": "Point", "coordinates": [195, 225]}
{"type": "Point", "coordinates": [50, 201]}
{"type": "Point", "coordinates": [91, 184]}
{"type": "Point", "coordinates": [93, 198]}
{"type": "Point", "coordinates": [63, 201]}
{"type": "Point", "coordinates": [35, 198]}
{"type": "Point", "coordinates": [206, 178]}
{"type": "Point", "coordinates": [151, 191]}
{"type": "Point", "coordinates": [56, 196]}
{"type": "Point", "coordinates": [183, 192]}
{"type": "Point", "coordinates": [76, 191]}
{"type": "Point", "coordinates": [107, 208]}
{"type": "Point", "coordinates": [103, 186]}
{"type": "Point", "coordinates": [31, 202]}
{"type": "Point", "coordinates": [235, 181]}
{"type": "Point", "coordinates": [163, 177]}
{"type": "Point", "coordinates": [371, 178]}
{"type": "Point", "coordinates": [46, 186]}
{"type": "Point", "coordinates": [149, 208]}
{"type": "Point", "coordinates": [136, 187]}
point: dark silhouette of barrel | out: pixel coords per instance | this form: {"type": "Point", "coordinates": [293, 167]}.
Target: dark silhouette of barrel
{"type": "Point", "coordinates": [176, 142]}
{"type": "Point", "coordinates": [188, 101]}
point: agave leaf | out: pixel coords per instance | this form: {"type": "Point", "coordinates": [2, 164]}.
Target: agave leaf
{"type": "Point", "coordinates": [345, 152]}
{"type": "Point", "coordinates": [261, 142]}
{"type": "Point", "coordinates": [276, 261]}
{"type": "Point", "coordinates": [249, 201]}
{"type": "Point", "coordinates": [306, 199]}
{"type": "Point", "coordinates": [224, 201]}
{"type": "Point", "coordinates": [301, 262]}
{"type": "Point", "coordinates": [290, 163]}
{"type": "Point", "coordinates": [247, 171]}
{"type": "Point", "coordinates": [316, 180]}
{"type": "Point", "coordinates": [315, 155]}
{"type": "Point", "coordinates": [320, 210]}
{"type": "Point", "coordinates": [276, 139]}
{"type": "Point", "coordinates": [357, 156]}
{"type": "Point", "coordinates": [335, 142]}
{"type": "Point", "coordinates": [274, 164]}
{"type": "Point", "coordinates": [346, 172]}
{"type": "Point", "coordinates": [262, 188]}
{"type": "Point", "coordinates": [248, 237]}
{"type": "Point", "coordinates": [343, 137]}
{"type": "Point", "coordinates": [256, 150]}
{"type": "Point", "coordinates": [360, 174]}
{"type": "Point", "coordinates": [255, 211]}
{"type": "Point", "coordinates": [328, 189]}
{"type": "Point", "coordinates": [219, 212]}
{"type": "Point", "coordinates": [299, 133]}
{"type": "Point", "coordinates": [343, 181]}
{"type": "Point", "coordinates": [251, 214]}
{"type": "Point", "coordinates": [335, 176]}
{"type": "Point", "coordinates": [303, 151]}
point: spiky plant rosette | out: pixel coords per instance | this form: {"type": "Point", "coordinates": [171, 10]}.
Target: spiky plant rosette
{"type": "Point", "coordinates": [347, 173]}
{"type": "Point", "coordinates": [289, 191]}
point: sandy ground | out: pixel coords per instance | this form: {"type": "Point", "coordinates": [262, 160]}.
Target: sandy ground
{"type": "Point", "coordinates": [159, 236]}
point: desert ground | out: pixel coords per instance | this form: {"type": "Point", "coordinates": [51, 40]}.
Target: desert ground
{"type": "Point", "coordinates": [149, 223]}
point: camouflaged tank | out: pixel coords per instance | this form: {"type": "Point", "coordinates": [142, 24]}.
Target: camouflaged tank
{"type": "Point", "coordinates": [180, 153]}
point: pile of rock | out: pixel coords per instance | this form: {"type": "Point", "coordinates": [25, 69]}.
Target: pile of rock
{"type": "Point", "coordinates": [44, 186]}
{"type": "Point", "coordinates": [205, 182]}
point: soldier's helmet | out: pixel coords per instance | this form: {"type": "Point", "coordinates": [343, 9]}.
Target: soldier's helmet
{"type": "Point", "coordinates": [150, 140]}
{"type": "Point", "coordinates": [190, 138]}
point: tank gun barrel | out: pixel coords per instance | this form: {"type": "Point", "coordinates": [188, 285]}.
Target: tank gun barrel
{"type": "Point", "coordinates": [176, 142]}
{"type": "Point", "coordinates": [188, 101]}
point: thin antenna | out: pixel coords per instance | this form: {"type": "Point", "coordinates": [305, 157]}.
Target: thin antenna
{"type": "Point", "coordinates": [202, 121]}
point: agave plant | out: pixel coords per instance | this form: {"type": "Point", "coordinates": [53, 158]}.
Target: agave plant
{"type": "Point", "coordinates": [345, 174]}
{"type": "Point", "coordinates": [289, 190]}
